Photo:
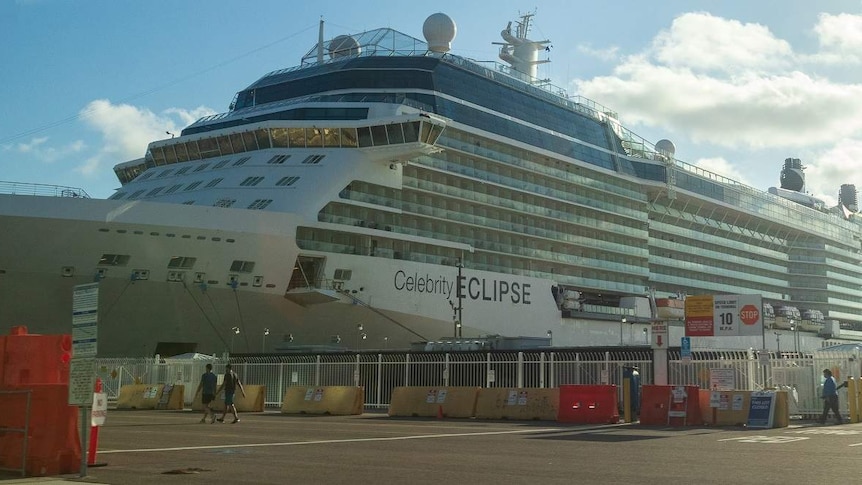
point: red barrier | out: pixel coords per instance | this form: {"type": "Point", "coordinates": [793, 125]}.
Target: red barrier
{"type": "Point", "coordinates": [53, 445]}
{"type": "Point", "coordinates": [35, 359]}
{"type": "Point", "coordinates": [94, 430]}
{"type": "Point", "coordinates": [670, 405]}
{"type": "Point", "coordinates": [587, 404]}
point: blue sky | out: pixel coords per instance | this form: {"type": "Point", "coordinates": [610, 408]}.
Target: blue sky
{"type": "Point", "coordinates": [738, 86]}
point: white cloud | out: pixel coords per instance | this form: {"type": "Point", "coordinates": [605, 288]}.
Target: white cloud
{"type": "Point", "coordinates": [722, 167]}
{"type": "Point", "coordinates": [840, 38]}
{"type": "Point", "coordinates": [732, 85]}
{"type": "Point", "coordinates": [127, 130]}
{"type": "Point", "coordinates": [606, 54]}
{"type": "Point", "coordinates": [39, 149]}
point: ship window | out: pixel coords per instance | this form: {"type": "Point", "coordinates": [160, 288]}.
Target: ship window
{"type": "Point", "coordinates": [224, 145]}
{"type": "Point", "coordinates": [201, 167]}
{"type": "Point", "coordinates": [208, 147]}
{"type": "Point", "coordinates": [331, 137]}
{"type": "Point", "coordinates": [158, 155]}
{"type": "Point", "coordinates": [394, 133]}
{"type": "Point", "coordinates": [313, 159]}
{"type": "Point", "coordinates": [193, 185]}
{"type": "Point", "coordinates": [170, 155]}
{"type": "Point", "coordinates": [262, 139]}
{"type": "Point", "coordinates": [378, 133]}
{"type": "Point", "coordinates": [314, 138]}
{"type": "Point", "coordinates": [260, 204]}
{"type": "Point", "coordinates": [242, 266]}
{"type": "Point", "coordinates": [364, 133]}
{"type": "Point", "coordinates": [117, 196]}
{"type": "Point", "coordinates": [154, 191]}
{"type": "Point", "coordinates": [183, 170]}
{"type": "Point", "coordinates": [425, 132]}
{"type": "Point", "coordinates": [173, 188]}
{"type": "Point", "coordinates": [411, 131]}
{"type": "Point", "coordinates": [249, 140]}
{"type": "Point", "coordinates": [287, 181]}
{"type": "Point", "coordinates": [214, 182]}
{"type": "Point", "coordinates": [147, 175]}
{"type": "Point", "coordinates": [194, 154]}
{"type": "Point", "coordinates": [182, 155]}
{"type": "Point", "coordinates": [182, 262]}
{"type": "Point", "coordinates": [296, 137]}
{"type": "Point", "coordinates": [278, 159]}
{"type": "Point", "coordinates": [221, 164]}
{"type": "Point", "coordinates": [165, 173]}
{"type": "Point", "coordinates": [436, 131]}
{"type": "Point", "coordinates": [236, 143]}
{"type": "Point", "coordinates": [279, 137]}
{"type": "Point", "coordinates": [343, 274]}
{"type": "Point", "coordinates": [241, 161]}
{"type": "Point", "coordinates": [114, 260]}
{"type": "Point", "coordinates": [189, 202]}
{"type": "Point", "coordinates": [224, 202]}
{"type": "Point", "coordinates": [251, 181]}
{"type": "Point", "coordinates": [136, 194]}
{"type": "Point", "coordinates": [348, 137]}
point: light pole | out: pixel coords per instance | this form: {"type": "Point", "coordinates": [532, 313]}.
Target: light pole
{"type": "Point", "coordinates": [622, 322]}
{"type": "Point", "coordinates": [795, 328]}
{"type": "Point", "coordinates": [646, 335]}
{"type": "Point", "coordinates": [550, 337]}
{"type": "Point", "coordinates": [778, 343]}
{"type": "Point", "coordinates": [360, 336]}
{"type": "Point", "coordinates": [235, 333]}
{"type": "Point", "coordinates": [263, 341]}
{"type": "Point", "coordinates": [385, 342]}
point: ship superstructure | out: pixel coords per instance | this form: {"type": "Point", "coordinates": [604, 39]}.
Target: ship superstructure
{"type": "Point", "coordinates": [387, 191]}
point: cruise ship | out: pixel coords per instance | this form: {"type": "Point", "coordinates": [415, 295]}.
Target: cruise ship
{"type": "Point", "coordinates": [386, 192]}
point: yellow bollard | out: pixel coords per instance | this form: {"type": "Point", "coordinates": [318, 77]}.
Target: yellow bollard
{"type": "Point", "coordinates": [627, 400]}
{"type": "Point", "coordinates": [853, 400]}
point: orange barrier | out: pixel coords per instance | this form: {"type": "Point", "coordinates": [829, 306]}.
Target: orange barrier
{"type": "Point", "coordinates": [733, 408]}
{"type": "Point", "coordinates": [252, 402]}
{"type": "Point", "coordinates": [588, 404]}
{"type": "Point", "coordinates": [670, 405]}
{"type": "Point", "coordinates": [35, 359]}
{"type": "Point", "coordinates": [521, 403]}
{"type": "Point", "coordinates": [429, 402]}
{"type": "Point", "coordinates": [329, 400]}
{"type": "Point", "coordinates": [53, 443]}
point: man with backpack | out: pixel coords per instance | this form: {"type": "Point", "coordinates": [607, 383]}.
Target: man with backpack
{"type": "Point", "coordinates": [230, 383]}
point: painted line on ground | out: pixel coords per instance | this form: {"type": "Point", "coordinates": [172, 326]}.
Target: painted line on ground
{"type": "Point", "coordinates": [319, 442]}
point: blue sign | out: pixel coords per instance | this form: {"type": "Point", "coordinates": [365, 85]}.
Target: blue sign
{"type": "Point", "coordinates": [761, 409]}
{"type": "Point", "coordinates": [685, 348]}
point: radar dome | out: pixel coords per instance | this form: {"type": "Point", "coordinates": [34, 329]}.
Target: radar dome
{"type": "Point", "coordinates": [666, 148]}
{"type": "Point", "coordinates": [439, 31]}
{"type": "Point", "coordinates": [343, 45]}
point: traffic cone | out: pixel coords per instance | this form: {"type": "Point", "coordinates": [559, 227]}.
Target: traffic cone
{"type": "Point", "coordinates": [440, 412]}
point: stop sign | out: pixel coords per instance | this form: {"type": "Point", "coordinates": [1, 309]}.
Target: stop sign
{"type": "Point", "coordinates": [749, 314]}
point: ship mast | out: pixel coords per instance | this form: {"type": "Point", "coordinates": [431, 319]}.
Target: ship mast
{"type": "Point", "coordinates": [518, 50]}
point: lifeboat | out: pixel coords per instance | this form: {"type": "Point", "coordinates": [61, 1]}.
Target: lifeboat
{"type": "Point", "coordinates": [670, 308]}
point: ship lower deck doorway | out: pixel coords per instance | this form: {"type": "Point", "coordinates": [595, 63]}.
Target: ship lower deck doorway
{"type": "Point", "coordinates": [307, 273]}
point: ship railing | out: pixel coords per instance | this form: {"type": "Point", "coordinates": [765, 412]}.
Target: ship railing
{"type": "Point", "coordinates": [18, 188]}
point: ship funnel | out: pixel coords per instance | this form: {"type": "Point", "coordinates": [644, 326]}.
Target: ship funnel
{"type": "Point", "coordinates": [439, 31]}
{"type": "Point", "coordinates": [792, 176]}
{"type": "Point", "coordinates": [848, 197]}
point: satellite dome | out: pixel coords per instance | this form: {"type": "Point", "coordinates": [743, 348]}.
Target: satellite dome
{"type": "Point", "coordinates": [666, 148]}
{"type": "Point", "coordinates": [439, 31]}
{"type": "Point", "coordinates": [344, 45]}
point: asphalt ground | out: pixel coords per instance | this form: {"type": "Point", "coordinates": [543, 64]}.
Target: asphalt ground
{"type": "Point", "coordinates": [171, 447]}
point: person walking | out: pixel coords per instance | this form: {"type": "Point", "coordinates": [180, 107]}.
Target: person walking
{"type": "Point", "coordinates": [830, 398]}
{"type": "Point", "coordinates": [209, 382]}
{"type": "Point", "coordinates": [230, 384]}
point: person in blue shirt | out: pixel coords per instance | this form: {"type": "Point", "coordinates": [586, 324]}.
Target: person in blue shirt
{"type": "Point", "coordinates": [830, 397]}
{"type": "Point", "coordinates": [209, 381]}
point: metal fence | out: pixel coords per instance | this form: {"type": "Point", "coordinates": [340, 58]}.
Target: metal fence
{"type": "Point", "coordinates": [380, 373]}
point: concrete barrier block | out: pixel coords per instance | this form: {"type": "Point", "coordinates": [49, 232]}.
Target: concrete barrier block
{"type": "Point", "coordinates": [139, 396]}
{"type": "Point", "coordinates": [329, 400]}
{"type": "Point", "coordinates": [528, 404]}
{"type": "Point", "coordinates": [430, 402]}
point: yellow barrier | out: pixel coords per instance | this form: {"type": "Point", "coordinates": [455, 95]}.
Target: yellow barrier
{"type": "Point", "coordinates": [139, 396]}
{"type": "Point", "coordinates": [521, 404]}
{"type": "Point", "coordinates": [331, 400]}
{"type": "Point", "coordinates": [253, 401]}
{"type": "Point", "coordinates": [429, 402]}
{"type": "Point", "coordinates": [172, 397]}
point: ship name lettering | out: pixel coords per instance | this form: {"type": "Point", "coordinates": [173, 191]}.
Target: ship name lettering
{"type": "Point", "coordinates": [494, 290]}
